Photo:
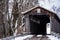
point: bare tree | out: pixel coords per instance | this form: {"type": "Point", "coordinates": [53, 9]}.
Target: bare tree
{"type": "Point", "coordinates": [3, 21]}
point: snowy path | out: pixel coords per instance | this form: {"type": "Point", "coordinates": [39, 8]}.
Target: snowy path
{"type": "Point", "coordinates": [30, 36]}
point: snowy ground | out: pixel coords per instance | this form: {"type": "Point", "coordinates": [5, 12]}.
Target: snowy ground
{"type": "Point", "coordinates": [53, 37]}
{"type": "Point", "coordinates": [30, 36]}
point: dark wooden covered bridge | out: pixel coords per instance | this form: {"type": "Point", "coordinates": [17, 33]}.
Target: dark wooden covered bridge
{"type": "Point", "coordinates": [36, 18]}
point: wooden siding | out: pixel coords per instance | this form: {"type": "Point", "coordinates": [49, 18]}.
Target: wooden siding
{"type": "Point", "coordinates": [55, 25]}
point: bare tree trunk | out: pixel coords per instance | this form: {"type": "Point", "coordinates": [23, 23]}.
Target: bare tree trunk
{"type": "Point", "coordinates": [15, 15]}
{"type": "Point", "coordinates": [5, 27]}
{"type": "Point", "coordinates": [3, 21]}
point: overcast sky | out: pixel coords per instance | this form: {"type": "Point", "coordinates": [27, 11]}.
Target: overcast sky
{"type": "Point", "coordinates": [52, 5]}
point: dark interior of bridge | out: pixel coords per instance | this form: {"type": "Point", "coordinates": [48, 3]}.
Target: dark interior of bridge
{"type": "Point", "coordinates": [38, 24]}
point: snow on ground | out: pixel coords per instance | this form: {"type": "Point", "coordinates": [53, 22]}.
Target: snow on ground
{"type": "Point", "coordinates": [23, 37]}
{"type": "Point", "coordinates": [30, 36]}
{"type": "Point", "coordinates": [53, 37]}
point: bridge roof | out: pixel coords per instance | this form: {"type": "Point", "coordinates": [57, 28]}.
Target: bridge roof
{"type": "Point", "coordinates": [37, 6]}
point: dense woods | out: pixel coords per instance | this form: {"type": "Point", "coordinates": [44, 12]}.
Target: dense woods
{"type": "Point", "coordinates": [10, 16]}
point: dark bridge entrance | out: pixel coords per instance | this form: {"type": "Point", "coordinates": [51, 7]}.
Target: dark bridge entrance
{"type": "Point", "coordinates": [38, 24]}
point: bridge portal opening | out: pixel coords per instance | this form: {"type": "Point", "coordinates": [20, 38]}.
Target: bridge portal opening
{"type": "Point", "coordinates": [38, 24]}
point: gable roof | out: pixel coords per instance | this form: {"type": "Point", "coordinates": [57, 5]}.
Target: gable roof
{"type": "Point", "coordinates": [55, 15]}
{"type": "Point", "coordinates": [35, 8]}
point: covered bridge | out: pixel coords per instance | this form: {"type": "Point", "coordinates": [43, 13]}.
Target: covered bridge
{"type": "Point", "coordinates": [36, 18]}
